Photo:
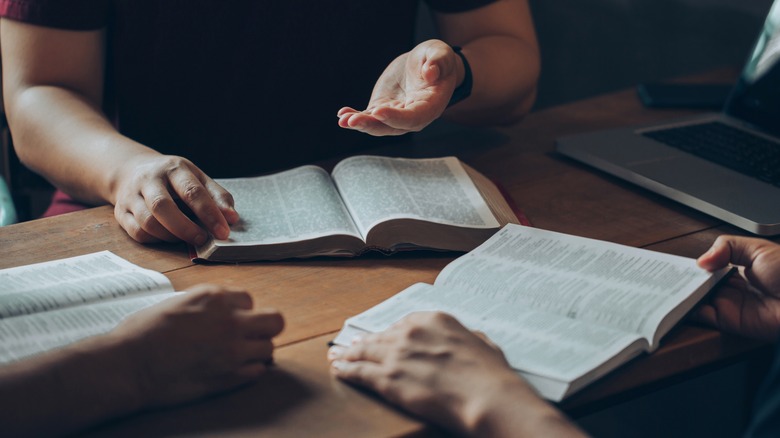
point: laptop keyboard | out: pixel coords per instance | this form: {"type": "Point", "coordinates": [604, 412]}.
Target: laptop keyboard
{"type": "Point", "coordinates": [725, 145]}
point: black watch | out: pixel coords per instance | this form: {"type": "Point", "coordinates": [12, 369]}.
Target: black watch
{"type": "Point", "coordinates": [464, 89]}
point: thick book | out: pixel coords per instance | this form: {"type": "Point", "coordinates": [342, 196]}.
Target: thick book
{"type": "Point", "coordinates": [565, 310]}
{"type": "Point", "coordinates": [52, 304]}
{"type": "Point", "coordinates": [366, 203]}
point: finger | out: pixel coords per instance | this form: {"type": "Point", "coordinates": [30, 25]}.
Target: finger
{"type": "Point", "coordinates": [431, 71]}
{"type": "Point", "coordinates": [345, 110]}
{"type": "Point", "coordinates": [365, 374]}
{"type": "Point", "coordinates": [261, 324]}
{"type": "Point", "coordinates": [344, 119]}
{"type": "Point", "coordinates": [438, 63]}
{"type": "Point", "coordinates": [237, 299]}
{"type": "Point", "coordinates": [224, 200]}
{"type": "Point", "coordinates": [220, 297]}
{"type": "Point", "coordinates": [484, 338]}
{"type": "Point", "coordinates": [706, 314]}
{"type": "Point", "coordinates": [370, 125]}
{"type": "Point", "coordinates": [128, 222]}
{"type": "Point", "coordinates": [162, 206]}
{"type": "Point", "coordinates": [369, 348]}
{"type": "Point", "coordinates": [336, 352]}
{"type": "Point", "coordinates": [195, 195]}
{"type": "Point", "coordinates": [149, 223]}
{"type": "Point", "coordinates": [251, 351]}
{"type": "Point", "coordinates": [732, 249]}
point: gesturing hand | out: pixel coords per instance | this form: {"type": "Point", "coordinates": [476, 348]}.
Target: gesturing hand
{"type": "Point", "coordinates": [147, 191]}
{"type": "Point", "coordinates": [412, 92]}
{"type": "Point", "coordinates": [205, 341]}
{"type": "Point", "coordinates": [748, 304]}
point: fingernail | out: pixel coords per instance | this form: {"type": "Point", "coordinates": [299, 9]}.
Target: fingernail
{"type": "Point", "coordinates": [338, 365]}
{"type": "Point", "coordinates": [335, 352]}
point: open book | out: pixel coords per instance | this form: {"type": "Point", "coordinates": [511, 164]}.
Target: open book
{"type": "Point", "coordinates": [368, 202]}
{"type": "Point", "coordinates": [565, 310]}
{"type": "Point", "coordinates": [52, 304]}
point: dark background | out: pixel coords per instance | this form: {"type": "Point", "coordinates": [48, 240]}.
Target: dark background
{"type": "Point", "coordinates": [591, 47]}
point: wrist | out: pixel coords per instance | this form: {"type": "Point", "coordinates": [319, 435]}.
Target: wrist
{"type": "Point", "coordinates": [496, 396]}
{"type": "Point", "coordinates": [510, 407]}
{"type": "Point", "coordinates": [464, 77]}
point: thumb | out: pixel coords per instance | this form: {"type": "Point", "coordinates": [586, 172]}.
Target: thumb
{"type": "Point", "coordinates": [732, 249]}
{"type": "Point", "coordinates": [439, 62]}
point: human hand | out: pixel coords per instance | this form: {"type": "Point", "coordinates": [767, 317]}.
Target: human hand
{"type": "Point", "coordinates": [146, 194]}
{"type": "Point", "coordinates": [748, 303]}
{"type": "Point", "coordinates": [208, 340]}
{"type": "Point", "coordinates": [412, 92]}
{"type": "Point", "coordinates": [432, 366]}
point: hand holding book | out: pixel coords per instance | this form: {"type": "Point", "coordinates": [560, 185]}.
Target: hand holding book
{"type": "Point", "coordinates": [367, 202]}
{"type": "Point", "coordinates": [432, 366]}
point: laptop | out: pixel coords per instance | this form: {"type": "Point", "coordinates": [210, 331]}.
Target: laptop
{"type": "Point", "coordinates": [724, 164]}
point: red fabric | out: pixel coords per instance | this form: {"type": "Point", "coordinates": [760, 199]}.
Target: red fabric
{"type": "Point", "coordinates": [62, 203]}
{"type": "Point", "coordinates": [71, 14]}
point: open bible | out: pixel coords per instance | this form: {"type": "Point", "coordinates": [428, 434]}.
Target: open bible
{"type": "Point", "coordinates": [52, 304]}
{"type": "Point", "coordinates": [565, 310]}
{"type": "Point", "coordinates": [367, 202]}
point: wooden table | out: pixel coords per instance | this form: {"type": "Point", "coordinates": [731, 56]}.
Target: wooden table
{"type": "Point", "coordinates": [299, 398]}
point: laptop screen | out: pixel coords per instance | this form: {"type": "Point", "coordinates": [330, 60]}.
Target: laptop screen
{"type": "Point", "coordinates": [756, 97]}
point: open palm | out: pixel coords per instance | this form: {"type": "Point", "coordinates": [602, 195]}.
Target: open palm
{"type": "Point", "coordinates": [412, 92]}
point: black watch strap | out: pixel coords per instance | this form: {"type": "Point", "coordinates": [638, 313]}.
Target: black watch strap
{"type": "Point", "coordinates": [464, 89]}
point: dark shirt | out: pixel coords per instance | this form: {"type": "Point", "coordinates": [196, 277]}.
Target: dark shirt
{"type": "Point", "coordinates": [766, 408]}
{"type": "Point", "coordinates": [240, 87]}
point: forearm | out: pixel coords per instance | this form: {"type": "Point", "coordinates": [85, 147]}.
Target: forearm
{"type": "Point", "coordinates": [499, 42]}
{"type": "Point", "coordinates": [64, 391]}
{"type": "Point", "coordinates": [505, 71]}
{"type": "Point", "coordinates": [64, 137]}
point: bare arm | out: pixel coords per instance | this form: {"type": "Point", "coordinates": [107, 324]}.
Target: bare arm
{"type": "Point", "coordinates": [53, 86]}
{"type": "Point", "coordinates": [500, 44]}
{"type": "Point", "coordinates": [200, 343]}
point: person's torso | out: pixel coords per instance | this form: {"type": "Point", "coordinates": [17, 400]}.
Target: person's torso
{"type": "Point", "coordinates": [243, 87]}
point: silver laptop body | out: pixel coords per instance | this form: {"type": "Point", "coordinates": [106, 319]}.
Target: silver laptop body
{"type": "Point", "coordinates": [730, 195]}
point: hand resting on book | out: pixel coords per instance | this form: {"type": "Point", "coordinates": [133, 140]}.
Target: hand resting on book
{"type": "Point", "coordinates": [431, 366]}
{"type": "Point", "coordinates": [202, 342]}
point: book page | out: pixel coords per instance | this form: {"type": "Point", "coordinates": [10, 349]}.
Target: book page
{"type": "Point", "coordinates": [377, 189]}
{"type": "Point", "coordinates": [74, 281]}
{"type": "Point", "coordinates": [526, 336]}
{"type": "Point", "coordinates": [291, 206]}
{"type": "Point", "coordinates": [24, 336]}
{"type": "Point", "coordinates": [613, 285]}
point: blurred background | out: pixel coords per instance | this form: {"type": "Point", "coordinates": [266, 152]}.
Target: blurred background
{"type": "Point", "coordinates": [594, 46]}
{"type": "Point", "coordinates": [591, 47]}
